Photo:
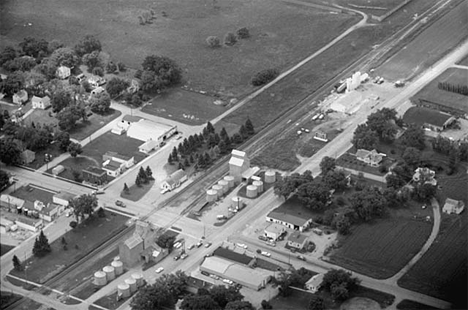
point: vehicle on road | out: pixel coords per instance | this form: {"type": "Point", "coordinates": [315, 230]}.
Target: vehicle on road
{"type": "Point", "coordinates": [199, 244]}
{"type": "Point", "coordinates": [184, 256]}
{"type": "Point", "coordinates": [208, 245]}
{"type": "Point", "coordinates": [191, 246]}
{"type": "Point", "coordinates": [242, 245]}
{"type": "Point", "coordinates": [263, 238]}
{"type": "Point", "coordinates": [177, 257]}
{"type": "Point", "coordinates": [271, 243]}
{"type": "Point", "coordinates": [264, 253]}
{"type": "Point", "coordinates": [301, 257]}
{"type": "Point", "coordinates": [228, 281]}
{"type": "Point", "coordinates": [120, 204]}
{"type": "Point", "coordinates": [159, 270]}
{"type": "Point", "coordinates": [98, 192]}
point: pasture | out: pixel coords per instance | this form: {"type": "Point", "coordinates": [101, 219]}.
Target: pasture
{"type": "Point", "coordinates": [375, 7]}
{"type": "Point", "coordinates": [464, 61]}
{"type": "Point", "coordinates": [429, 46]}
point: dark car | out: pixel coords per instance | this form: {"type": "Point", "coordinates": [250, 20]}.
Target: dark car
{"type": "Point", "coordinates": [120, 203]}
{"type": "Point", "coordinates": [205, 273]}
{"type": "Point", "coordinates": [263, 238]}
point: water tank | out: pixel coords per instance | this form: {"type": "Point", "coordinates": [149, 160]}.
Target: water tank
{"type": "Point", "coordinates": [251, 191]}
{"type": "Point", "coordinates": [259, 185]}
{"type": "Point", "coordinates": [132, 283]}
{"type": "Point", "coordinates": [225, 185]}
{"type": "Point", "coordinates": [211, 195]}
{"type": "Point", "coordinates": [118, 267]}
{"type": "Point", "coordinates": [138, 277]}
{"type": "Point", "coordinates": [236, 202]}
{"type": "Point", "coordinates": [100, 278]}
{"type": "Point", "coordinates": [270, 176]}
{"type": "Point", "coordinates": [230, 180]}
{"type": "Point", "coordinates": [218, 189]}
{"type": "Point", "coordinates": [124, 290]}
{"type": "Point", "coordinates": [110, 273]}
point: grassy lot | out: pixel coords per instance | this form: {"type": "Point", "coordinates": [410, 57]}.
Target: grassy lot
{"type": "Point", "coordinates": [454, 186]}
{"type": "Point", "coordinates": [114, 143]}
{"type": "Point", "coordinates": [83, 130]}
{"type": "Point", "coordinates": [28, 305]}
{"type": "Point", "coordinates": [80, 241]}
{"type": "Point", "coordinates": [7, 298]}
{"type": "Point", "coordinates": [136, 192]}
{"type": "Point", "coordinates": [433, 42]}
{"type": "Point", "coordinates": [78, 163]}
{"type": "Point", "coordinates": [464, 61]}
{"type": "Point", "coordinates": [39, 116]}
{"type": "Point", "coordinates": [53, 150]}
{"type": "Point", "coordinates": [184, 106]}
{"type": "Point", "coordinates": [412, 305]}
{"type": "Point", "coordinates": [227, 70]}
{"type": "Point", "coordinates": [442, 271]}
{"type": "Point", "coordinates": [5, 248]}
{"type": "Point", "coordinates": [33, 192]}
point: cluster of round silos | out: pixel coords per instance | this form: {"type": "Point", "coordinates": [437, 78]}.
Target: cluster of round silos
{"type": "Point", "coordinates": [218, 189]}
{"type": "Point", "coordinates": [110, 273]}
{"type": "Point", "coordinates": [211, 195]}
{"type": "Point", "coordinates": [100, 278]}
{"type": "Point", "coordinates": [230, 180]}
{"type": "Point", "coordinates": [270, 176]}
{"type": "Point", "coordinates": [252, 191]}
{"type": "Point", "coordinates": [123, 289]}
{"type": "Point", "coordinates": [236, 202]}
{"type": "Point", "coordinates": [225, 185]}
{"type": "Point", "coordinates": [259, 185]}
{"type": "Point", "coordinates": [138, 278]}
{"type": "Point", "coordinates": [118, 267]}
{"type": "Point", "coordinates": [132, 284]}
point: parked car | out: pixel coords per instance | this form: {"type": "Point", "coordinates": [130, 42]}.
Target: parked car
{"type": "Point", "coordinates": [177, 257]}
{"type": "Point", "coordinates": [98, 192]}
{"type": "Point", "coordinates": [120, 204]}
{"type": "Point", "coordinates": [184, 256]}
{"type": "Point", "coordinates": [228, 281]}
{"type": "Point", "coordinates": [263, 238]}
{"type": "Point", "coordinates": [199, 244]}
{"type": "Point", "coordinates": [264, 253]}
{"type": "Point", "coordinates": [317, 231]}
{"type": "Point", "coordinates": [242, 245]}
{"type": "Point", "coordinates": [205, 273]}
{"type": "Point", "coordinates": [191, 246]}
{"type": "Point", "coordinates": [165, 190]}
{"type": "Point", "coordinates": [208, 245]}
{"type": "Point", "coordinates": [159, 270]}
{"type": "Point", "coordinates": [271, 243]}
{"type": "Point", "coordinates": [177, 245]}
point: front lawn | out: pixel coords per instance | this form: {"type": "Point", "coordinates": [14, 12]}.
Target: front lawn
{"type": "Point", "coordinates": [135, 192]}
{"type": "Point", "coordinates": [78, 164]}
{"type": "Point", "coordinates": [83, 130]}
{"type": "Point", "coordinates": [5, 248]}
{"type": "Point", "coordinates": [81, 240]}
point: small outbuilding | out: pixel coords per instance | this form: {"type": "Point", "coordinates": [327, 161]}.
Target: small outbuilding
{"type": "Point", "coordinates": [274, 231]}
{"type": "Point", "coordinates": [63, 72]}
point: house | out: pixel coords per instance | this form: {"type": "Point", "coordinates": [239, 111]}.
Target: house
{"type": "Point", "coordinates": [94, 175]}
{"type": "Point", "coordinates": [453, 206]}
{"type": "Point", "coordinates": [127, 161]}
{"type": "Point", "coordinates": [428, 118]}
{"type": "Point", "coordinates": [174, 180]}
{"type": "Point", "coordinates": [121, 127]}
{"type": "Point", "coordinates": [63, 72]}
{"type": "Point", "coordinates": [297, 241]}
{"type": "Point", "coordinates": [134, 86]}
{"type": "Point", "coordinates": [274, 231]}
{"type": "Point", "coordinates": [297, 218]}
{"type": "Point", "coordinates": [238, 164]}
{"type": "Point", "coordinates": [96, 81]}
{"type": "Point", "coordinates": [372, 158]}
{"type": "Point", "coordinates": [113, 168]}
{"type": "Point", "coordinates": [424, 176]}
{"type": "Point", "coordinates": [148, 146]}
{"type": "Point", "coordinates": [40, 102]}
{"type": "Point", "coordinates": [98, 90]}
{"type": "Point", "coordinates": [28, 156]}
{"type": "Point", "coordinates": [314, 283]}
{"type": "Point", "coordinates": [20, 97]}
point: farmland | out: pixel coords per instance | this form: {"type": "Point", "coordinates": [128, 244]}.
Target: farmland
{"type": "Point", "coordinates": [445, 100]}
{"type": "Point", "coordinates": [429, 46]}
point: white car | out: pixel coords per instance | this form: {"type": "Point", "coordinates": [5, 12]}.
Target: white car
{"type": "Point", "coordinates": [177, 245]}
{"type": "Point", "coordinates": [159, 270]}
{"type": "Point", "coordinates": [165, 190]}
{"type": "Point", "coordinates": [264, 253]}
{"type": "Point", "coordinates": [242, 245]}
{"type": "Point", "coordinates": [227, 281]}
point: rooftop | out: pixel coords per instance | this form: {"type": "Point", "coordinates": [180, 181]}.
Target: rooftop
{"type": "Point", "coordinates": [65, 195]}
{"type": "Point", "coordinates": [291, 212]}
{"type": "Point", "coordinates": [297, 237]}
{"type": "Point", "coordinates": [117, 155]}
{"type": "Point", "coordinates": [236, 161]}
{"type": "Point", "coordinates": [133, 241]}
{"type": "Point", "coordinates": [233, 256]}
{"type": "Point", "coordinates": [145, 130]}
{"type": "Point", "coordinates": [420, 116]}
{"type": "Point", "coordinates": [95, 170]}
{"type": "Point", "coordinates": [112, 165]}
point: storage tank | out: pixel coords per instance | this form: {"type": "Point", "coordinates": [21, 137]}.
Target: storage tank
{"type": "Point", "coordinates": [132, 283]}
{"type": "Point", "coordinates": [236, 202]}
{"type": "Point", "coordinates": [259, 185]}
{"type": "Point", "coordinates": [138, 278]}
{"type": "Point", "coordinates": [124, 290]}
{"type": "Point", "coordinates": [218, 189]}
{"type": "Point", "coordinates": [118, 267]}
{"type": "Point", "coordinates": [110, 273]}
{"type": "Point", "coordinates": [270, 176]}
{"type": "Point", "coordinates": [251, 191]}
{"type": "Point", "coordinates": [225, 185]}
{"type": "Point", "coordinates": [211, 195]}
{"type": "Point", "coordinates": [230, 180]}
{"type": "Point", "coordinates": [100, 278]}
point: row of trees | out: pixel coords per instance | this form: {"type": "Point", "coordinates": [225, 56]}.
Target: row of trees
{"type": "Point", "coordinates": [144, 176]}
{"type": "Point", "coordinates": [159, 72]}
{"type": "Point", "coordinates": [458, 89]}
{"type": "Point", "coordinates": [230, 38]}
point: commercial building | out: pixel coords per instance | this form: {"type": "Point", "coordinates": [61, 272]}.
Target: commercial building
{"type": "Point", "coordinates": [294, 217]}
{"type": "Point", "coordinates": [145, 130]}
{"type": "Point", "coordinates": [297, 241]}
{"type": "Point", "coordinates": [95, 175]}
{"type": "Point", "coordinates": [238, 164]}
{"type": "Point", "coordinates": [428, 118]}
{"type": "Point", "coordinates": [274, 231]}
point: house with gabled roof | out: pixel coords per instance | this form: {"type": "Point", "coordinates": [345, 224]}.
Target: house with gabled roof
{"type": "Point", "coordinates": [63, 72]}
{"type": "Point", "coordinates": [20, 97]}
{"type": "Point", "coordinates": [314, 283]}
{"type": "Point", "coordinates": [424, 175]}
{"type": "Point", "coordinates": [452, 206]}
{"type": "Point", "coordinates": [372, 158]}
{"type": "Point", "coordinates": [297, 240]}
{"type": "Point", "coordinates": [174, 180]}
{"type": "Point", "coordinates": [40, 102]}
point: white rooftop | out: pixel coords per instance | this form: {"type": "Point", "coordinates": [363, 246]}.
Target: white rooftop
{"type": "Point", "coordinates": [145, 130]}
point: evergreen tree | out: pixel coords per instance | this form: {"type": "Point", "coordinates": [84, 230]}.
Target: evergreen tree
{"type": "Point", "coordinates": [217, 138]}
{"type": "Point", "coordinates": [149, 173]}
{"type": "Point", "coordinates": [243, 132]}
{"type": "Point", "coordinates": [222, 147]}
{"type": "Point", "coordinates": [138, 181]}
{"type": "Point", "coordinates": [192, 143]}
{"type": "Point", "coordinates": [207, 159]}
{"type": "Point", "coordinates": [249, 127]}
{"type": "Point", "coordinates": [143, 176]}
{"type": "Point", "coordinates": [169, 159]}
{"type": "Point", "coordinates": [201, 162]}
{"type": "Point", "coordinates": [126, 189]}
{"type": "Point", "coordinates": [201, 139]}
{"type": "Point", "coordinates": [174, 154]}
{"type": "Point", "coordinates": [64, 241]}
{"type": "Point", "coordinates": [228, 142]}
{"type": "Point", "coordinates": [192, 160]}
{"type": "Point", "coordinates": [237, 139]}
{"type": "Point", "coordinates": [205, 132]}
{"type": "Point", "coordinates": [186, 147]}
{"type": "Point", "coordinates": [41, 245]}
{"type": "Point", "coordinates": [211, 141]}
{"type": "Point", "coordinates": [216, 152]}
{"type": "Point", "coordinates": [181, 150]}
{"type": "Point", "coordinates": [181, 167]}
{"type": "Point", "coordinates": [17, 263]}
{"type": "Point", "coordinates": [210, 128]}
{"type": "Point", "coordinates": [186, 162]}
{"type": "Point", "coordinates": [223, 133]}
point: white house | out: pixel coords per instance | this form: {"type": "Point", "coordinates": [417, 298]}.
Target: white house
{"type": "Point", "coordinates": [63, 72]}
{"type": "Point", "coordinates": [98, 90]}
{"type": "Point", "coordinates": [453, 206]}
{"type": "Point", "coordinates": [174, 180]}
{"type": "Point", "coordinates": [20, 97]}
{"type": "Point", "coordinates": [121, 127]}
{"type": "Point", "coordinates": [314, 283]}
{"type": "Point", "coordinates": [40, 102]}
{"type": "Point", "coordinates": [115, 163]}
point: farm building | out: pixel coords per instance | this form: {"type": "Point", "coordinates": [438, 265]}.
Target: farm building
{"type": "Point", "coordinates": [372, 158]}
{"type": "Point", "coordinates": [20, 97]}
{"type": "Point", "coordinates": [63, 72]}
{"type": "Point", "coordinates": [251, 278]}
{"type": "Point", "coordinates": [428, 118]}
{"type": "Point", "coordinates": [28, 156]}
{"type": "Point", "coordinates": [297, 241]}
{"type": "Point", "coordinates": [114, 164]}
{"type": "Point", "coordinates": [130, 250]}
{"type": "Point", "coordinates": [314, 283]}
{"type": "Point", "coordinates": [121, 127]}
{"type": "Point", "coordinates": [95, 175]}
{"type": "Point", "coordinates": [453, 206]}
{"type": "Point", "coordinates": [424, 176]}
{"type": "Point", "coordinates": [40, 102]}
{"type": "Point", "coordinates": [148, 146]}
{"type": "Point", "coordinates": [63, 198]}
{"type": "Point", "coordinates": [238, 164]}
{"type": "Point", "coordinates": [274, 231]}
{"type": "Point", "coordinates": [174, 180]}
{"type": "Point", "coordinates": [145, 130]}
{"type": "Point", "coordinates": [294, 218]}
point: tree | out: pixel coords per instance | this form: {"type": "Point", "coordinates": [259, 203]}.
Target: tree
{"type": "Point", "coordinates": [339, 291]}
{"type": "Point", "coordinates": [314, 195]}
{"type": "Point", "coordinates": [289, 184]}
{"type": "Point", "coordinates": [414, 136]}
{"type": "Point", "coordinates": [24, 63]}
{"type": "Point", "coordinates": [8, 53]}
{"type": "Point", "coordinates": [316, 303]}
{"type": "Point", "coordinates": [165, 69]}
{"type": "Point", "coordinates": [239, 305]}
{"type": "Point", "coordinates": [34, 47]}
{"type": "Point", "coordinates": [10, 153]}
{"type": "Point", "coordinates": [101, 213]}
{"type": "Point", "coordinates": [83, 205]}
{"type": "Point", "coordinates": [442, 145]}
{"type": "Point", "coordinates": [98, 71]}
{"type": "Point", "coordinates": [41, 245]}
{"type": "Point", "coordinates": [64, 56]}
{"type": "Point", "coordinates": [69, 116]}
{"type": "Point", "coordinates": [243, 132]}
{"type": "Point", "coordinates": [111, 67]}
{"type": "Point", "coordinates": [339, 283]}
{"type": "Point", "coordinates": [266, 305]}
{"type": "Point", "coordinates": [149, 173]}
{"type": "Point", "coordinates": [166, 241]}
{"type": "Point", "coordinates": [424, 192]}
{"type": "Point", "coordinates": [454, 159]}
{"type": "Point", "coordinates": [61, 99]}
{"type": "Point", "coordinates": [13, 83]}
{"type": "Point", "coordinates": [243, 33]}
{"type": "Point", "coordinates": [365, 138]}
{"type": "Point", "coordinates": [115, 86]}
{"type": "Point", "coordinates": [222, 295]}
{"type": "Point", "coordinates": [264, 77]}
{"type": "Point", "coordinates": [209, 127]}
{"type": "Point", "coordinates": [213, 41]}
{"type": "Point", "coordinates": [63, 140]}
{"type": "Point", "coordinates": [155, 297]}
{"type": "Point", "coordinates": [412, 156]}
{"type": "Point", "coordinates": [249, 128]}
{"type": "Point", "coordinates": [197, 302]}
{"type": "Point", "coordinates": [342, 224]}
{"type": "Point", "coordinates": [138, 181]}
{"type": "Point", "coordinates": [74, 149]}
{"type": "Point", "coordinates": [143, 176]}
{"type": "Point", "coordinates": [230, 39]}
{"type": "Point", "coordinates": [88, 45]}
{"type": "Point", "coordinates": [4, 179]}
{"type": "Point", "coordinates": [54, 45]}
{"type": "Point", "coordinates": [73, 224]}
{"type": "Point", "coordinates": [327, 164]}
{"type": "Point", "coordinates": [92, 60]}
{"type": "Point", "coordinates": [368, 203]}
{"type": "Point", "coordinates": [394, 181]}
{"type": "Point", "coordinates": [100, 103]}
{"type": "Point", "coordinates": [383, 123]}
{"type": "Point", "coordinates": [17, 263]}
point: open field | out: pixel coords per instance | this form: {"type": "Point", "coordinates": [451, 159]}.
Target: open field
{"type": "Point", "coordinates": [429, 46]}
{"type": "Point", "coordinates": [83, 130]}
{"type": "Point", "coordinates": [412, 305]}
{"type": "Point", "coordinates": [464, 61]}
{"type": "Point", "coordinates": [442, 271]}
{"type": "Point", "coordinates": [136, 193]}
{"type": "Point", "coordinates": [444, 100]}
{"type": "Point", "coordinates": [39, 116]}
{"type": "Point", "coordinates": [226, 70]}
{"type": "Point", "coordinates": [80, 241]}
{"type": "Point", "coordinates": [454, 186]}
{"type": "Point", "coordinates": [382, 248]}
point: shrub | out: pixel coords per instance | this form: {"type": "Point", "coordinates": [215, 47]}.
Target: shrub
{"type": "Point", "coordinates": [243, 33]}
{"type": "Point", "coordinates": [383, 169]}
{"type": "Point", "coordinates": [73, 224]}
{"type": "Point", "coordinates": [230, 39]}
{"type": "Point", "coordinates": [266, 305]}
{"type": "Point", "coordinates": [213, 41]}
{"type": "Point", "coordinates": [265, 76]}
{"type": "Point", "coordinates": [98, 71]}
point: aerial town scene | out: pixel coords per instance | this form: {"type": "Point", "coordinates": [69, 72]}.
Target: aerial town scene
{"type": "Point", "coordinates": [234, 155]}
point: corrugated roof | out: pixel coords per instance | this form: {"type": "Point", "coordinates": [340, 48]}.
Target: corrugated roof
{"type": "Point", "coordinates": [238, 153]}
{"type": "Point", "coordinates": [288, 217]}
{"type": "Point", "coordinates": [133, 241]}
{"type": "Point", "coordinates": [236, 161]}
